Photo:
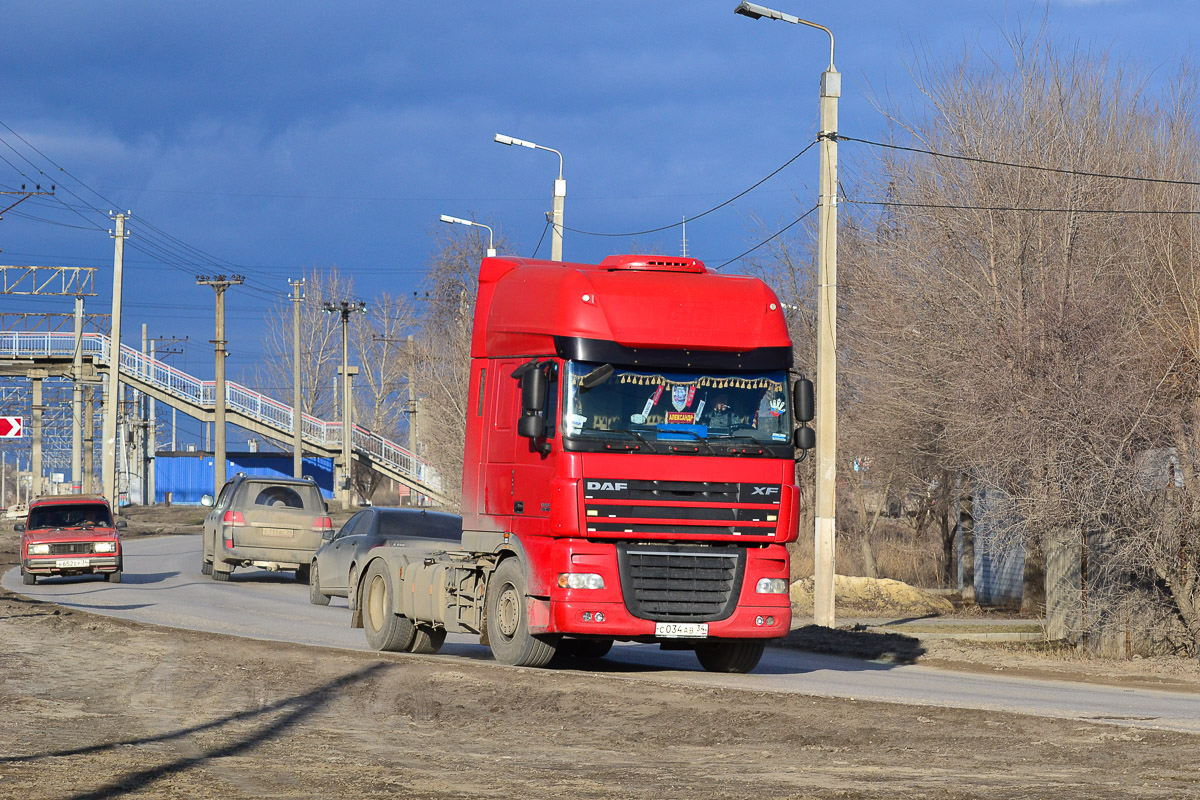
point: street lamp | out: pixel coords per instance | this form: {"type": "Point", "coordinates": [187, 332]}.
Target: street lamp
{"type": "Point", "coordinates": [560, 194]}
{"type": "Point", "coordinates": [491, 251]}
{"type": "Point", "coordinates": [345, 309]}
{"type": "Point", "coordinates": [826, 455]}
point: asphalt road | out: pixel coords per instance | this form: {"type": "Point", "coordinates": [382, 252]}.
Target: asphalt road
{"type": "Point", "coordinates": [162, 585]}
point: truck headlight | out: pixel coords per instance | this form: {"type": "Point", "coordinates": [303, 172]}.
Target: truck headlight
{"type": "Point", "coordinates": [105, 547]}
{"type": "Point", "coordinates": [772, 586]}
{"type": "Point", "coordinates": [580, 580]}
{"type": "Point", "coordinates": [39, 549]}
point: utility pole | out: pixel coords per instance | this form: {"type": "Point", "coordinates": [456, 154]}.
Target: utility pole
{"type": "Point", "coordinates": [151, 434]}
{"type": "Point", "coordinates": [112, 401]}
{"type": "Point", "coordinates": [77, 421]}
{"type": "Point", "coordinates": [219, 283]}
{"type": "Point", "coordinates": [824, 541]}
{"type": "Point", "coordinates": [297, 416]}
{"type": "Point", "coordinates": [413, 439]}
{"type": "Point", "coordinates": [345, 309]}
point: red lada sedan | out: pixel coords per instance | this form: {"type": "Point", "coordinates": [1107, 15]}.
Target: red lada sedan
{"type": "Point", "coordinates": [70, 535]}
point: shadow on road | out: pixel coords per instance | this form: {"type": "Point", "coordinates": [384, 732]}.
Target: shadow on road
{"type": "Point", "coordinates": [894, 648]}
{"type": "Point", "coordinates": [297, 708]}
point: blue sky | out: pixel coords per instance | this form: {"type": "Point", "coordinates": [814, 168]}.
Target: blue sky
{"type": "Point", "coordinates": [270, 138]}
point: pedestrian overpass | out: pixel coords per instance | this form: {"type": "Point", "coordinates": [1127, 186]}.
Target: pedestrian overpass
{"type": "Point", "coordinates": [256, 412]}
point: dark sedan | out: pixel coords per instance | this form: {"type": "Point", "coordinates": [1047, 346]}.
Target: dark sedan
{"type": "Point", "coordinates": [335, 566]}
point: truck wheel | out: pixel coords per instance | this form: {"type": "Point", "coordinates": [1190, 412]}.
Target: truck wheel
{"type": "Point", "coordinates": [508, 623]}
{"type": "Point", "coordinates": [28, 578]}
{"type": "Point", "coordinates": [730, 656]}
{"type": "Point", "coordinates": [427, 641]}
{"type": "Point", "coordinates": [314, 588]}
{"type": "Point", "coordinates": [385, 629]}
{"type": "Point", "coordinates": [113, 577]}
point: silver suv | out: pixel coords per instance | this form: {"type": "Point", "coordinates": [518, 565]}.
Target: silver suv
{"type": "Point", "coordinates": [272, 523]}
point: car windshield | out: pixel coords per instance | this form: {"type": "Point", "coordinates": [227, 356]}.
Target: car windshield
{"type": "Point", "coordinates": [74, 515]}
{"type": "Point", "coordinates": [415, 523]}
{"type": "Point", "coordinates": [274, 495]}
{"type": "Point", "coordinates": [652, 406]}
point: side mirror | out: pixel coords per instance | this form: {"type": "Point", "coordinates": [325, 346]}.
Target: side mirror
{"type": "Point", "coordinates": [327, 534]}
{"type": "Point", "coordinates": [534, 386]}
{"type": "Point", "coordinates": [802, 400]}
{"type": "Point", "coordinates": [206, 500]}
{"type": "Point", "coordinates": [533, 390]}
{"type": "Point", "coordinates": [531, 426]}
{"type": "Point", "coordinates": [805, 438]}
{"type": "Point", "coordinates": [19, 527]}
{"type": "Point", "coordinates": [121, 525]}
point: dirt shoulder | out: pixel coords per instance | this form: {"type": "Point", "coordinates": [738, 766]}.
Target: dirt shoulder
{"type": "Point", "coordinates": [96, 707]}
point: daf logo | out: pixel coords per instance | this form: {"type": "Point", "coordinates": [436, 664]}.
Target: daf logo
{"type": "Point", "coordinates": [765, 491]}
{"type": "Point", "coordinates": [607, 486]}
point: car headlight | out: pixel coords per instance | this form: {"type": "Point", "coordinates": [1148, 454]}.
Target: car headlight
{"type": "Point", "coordinates": [772, 586]}
{"type": "Point", "coordinates": [580, 580]}
{"type": "Point", "coordinates": [105, 547]}
{"type": "Point", "coordinates": [39, 549]}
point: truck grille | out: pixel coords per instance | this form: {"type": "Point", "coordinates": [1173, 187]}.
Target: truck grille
{"type": "Point", "coordinates": [670, 508]}
{"type": "Point", "coordinates": [680, 583]}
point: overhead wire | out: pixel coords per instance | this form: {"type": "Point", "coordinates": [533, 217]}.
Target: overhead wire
{"type": "Point", "coordinates": [717, 207]}
{"type": "Point", "coordinates": [770, 238]}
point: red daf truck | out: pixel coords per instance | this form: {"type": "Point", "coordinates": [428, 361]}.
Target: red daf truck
{"type": "Point", "coordinates": [629, 471]}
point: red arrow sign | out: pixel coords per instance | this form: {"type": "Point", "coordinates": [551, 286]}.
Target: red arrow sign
{"type": "Point", "coordinates": [10, 428]}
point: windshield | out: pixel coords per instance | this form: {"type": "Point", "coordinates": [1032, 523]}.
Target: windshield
{"type": "Point", "coordinates": [672, 407]}
{"type": "Point", "coordinates": [73, 515]}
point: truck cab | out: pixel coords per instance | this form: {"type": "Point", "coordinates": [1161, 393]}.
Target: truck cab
{"type": "Point", "coordinates": [630, 445]}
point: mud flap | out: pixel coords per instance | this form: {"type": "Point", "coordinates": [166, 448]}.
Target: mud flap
{"type": "Point", "coordinates": [538, 614]}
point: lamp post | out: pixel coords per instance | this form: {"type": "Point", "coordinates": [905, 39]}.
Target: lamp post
{"type": "Point", "coordinates": [826, 411]}
{"type": "Point", "coordinates": [560, 194]}
{"type": "Point", "coordinates": [345, 309]}
{"type": "Point", "coordinates": [491, 251]}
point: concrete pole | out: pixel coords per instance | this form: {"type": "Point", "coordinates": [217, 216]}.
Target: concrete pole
{"type": "Point", "coordinates": [826, 411]}
{"type": "Point", "coordinates": [297, 415]}
{"type": "Point", "coordinates": [560, 199]}
{"type": "Point", "coordinates": [219, 285]}
{"type": "Point", "coordinates": [151, 440]}
{"type": "Point", "coordinates": [89, 439]}
{"type": "Point", "coordinates": [347, 413]}
{"type": "Point", "coordinates": [77, 402]}
{"type": "Point", "coordinates": [413, 416]}
{"type": "Point", "coordinates": [112, 401]}
{"type": "Point", "coordinates": [35, 467]}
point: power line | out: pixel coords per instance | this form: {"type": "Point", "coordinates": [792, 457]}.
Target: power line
{"type": "Point", "coordinates": [769, 238]}
{"type": "Point", "coordinates": [704, 213]}
{"type": "Point", "coordinates": [980, 160]}
{"type": "Point", "coordinates": [1029, 209]}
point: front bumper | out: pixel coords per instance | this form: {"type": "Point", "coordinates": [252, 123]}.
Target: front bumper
{"type": "Point", "coordinates": [578, 618]}
{"type": "Point", "coordinates": [52, 565]}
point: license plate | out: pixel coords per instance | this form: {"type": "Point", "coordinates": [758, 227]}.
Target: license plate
{"type": "Point", "coordinates": [681, 630]}
{"type": "Point", "coordinates": [72, 562]}
{"type": "Point", "coordinates": [276, 531]}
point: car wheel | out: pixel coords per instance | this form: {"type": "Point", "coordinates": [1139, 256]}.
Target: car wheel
{"type": "Point", "coordinates": [113, 577]}
{"type": "Point", "coordinates": [427, 640]}
{"type": "Point", "coordinates": [28, 578]}
{"type": "Point", "coordinates": [206, 568]}
{"type": "Point", "coordinates": [221, 572]}
{"type": "Point", "coordinates": [314, 587]}
{"type": "Point", "coordinates": [730, 656]}
{"type": "Point", "coordinates": [508, 622]}
{"type": "Point", "coordinates": [385, 629]}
